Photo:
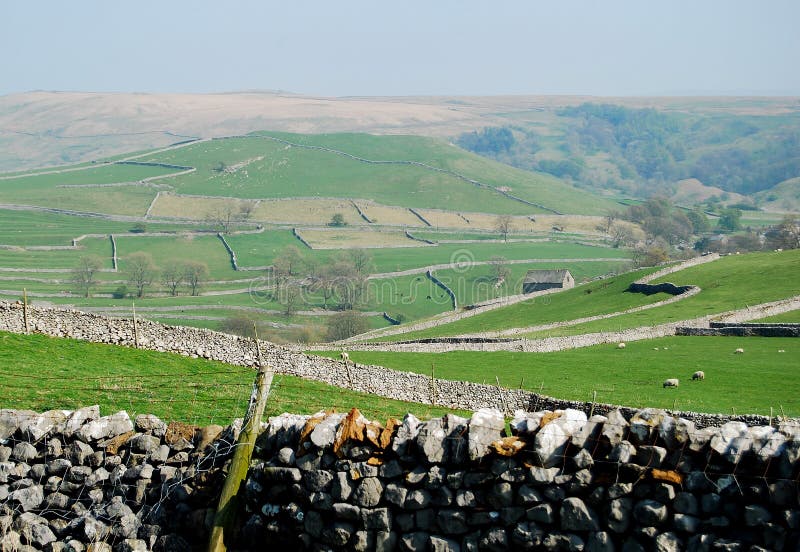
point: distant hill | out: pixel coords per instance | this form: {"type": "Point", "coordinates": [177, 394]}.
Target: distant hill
{"type": "Point", "coordinates": [781, 198]}
{"type": "Point", "coordinates": [691, 192]}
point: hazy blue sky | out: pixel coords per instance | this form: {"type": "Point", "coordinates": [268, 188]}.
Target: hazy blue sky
{"type": "Point", "coordinates": [608, 47]}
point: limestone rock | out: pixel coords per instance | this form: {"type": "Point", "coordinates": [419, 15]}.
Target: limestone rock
{"type": "Point", "coordinates": [576, 516]}
{"type": "Point", "coordinates": [551, 441]}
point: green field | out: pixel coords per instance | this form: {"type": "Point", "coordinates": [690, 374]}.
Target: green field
{"type": "Point", "coordinates": [590, 299]}
{"type": "Point", "coordinates": [732, 282]}
{"type": "Point", "coordinates": [633, 376]}
{"type": "Point", "coordinates": [285, 171]}
{"type": "Point", "coordinates": [37, 228]}
{"type": "Point", "coordinates": [64, 374]}
{"type": "Point", "coordinates": [790, 316]}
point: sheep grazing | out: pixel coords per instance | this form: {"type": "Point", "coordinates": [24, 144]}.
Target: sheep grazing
{"type": "Point", "coordinates": [620, 345]}
{"type": "Point", "coordinates": [672, 382]}
{"type": "Point", "coordinates": [781, 351]}
{"type": "Point", "coordinates": [345, 357]}
{"type": "Point", "coordinates": [699, 375]}
{"type": "Point", "coordinates": [739, 351]}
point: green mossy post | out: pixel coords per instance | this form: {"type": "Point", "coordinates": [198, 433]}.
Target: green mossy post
{"type": "Point", "coordinates": [240, 464]}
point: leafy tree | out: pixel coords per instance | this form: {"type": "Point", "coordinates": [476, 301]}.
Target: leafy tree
{"type": "Point", "coordinates": [194, 274]}
{"type": "Point", "coordinates": [785, 235]}
{"type": "Point", "coordinates": [141, 271]}
{"type": "Point", "coordinates": [699, 221]}
{"type": "Point", "coordinates": [83, 275]}
{"type": "Point", "coordinates": [730, 220]}
{"type": "Point", "coordinates": [489, 140]}
{"type": "Point", "coordinates": [337, 220]}
{"type": "Point", "coordinates": [345, 324]}
{"type": "Point", "coordinates": [139, 228]}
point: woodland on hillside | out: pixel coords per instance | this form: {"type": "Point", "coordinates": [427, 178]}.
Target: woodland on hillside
{"type": "Point", "coordinates": [645, 151]}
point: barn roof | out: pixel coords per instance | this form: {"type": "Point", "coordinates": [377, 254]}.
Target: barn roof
{"type": "Point", "coordinates": [546, 276]}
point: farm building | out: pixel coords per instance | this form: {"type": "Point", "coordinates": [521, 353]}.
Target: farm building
{"type": "Point", "coordinates": [537, 280]}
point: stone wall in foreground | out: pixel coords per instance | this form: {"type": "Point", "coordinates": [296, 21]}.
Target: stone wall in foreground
{"type": "Point", "coordinates": [77, 481]}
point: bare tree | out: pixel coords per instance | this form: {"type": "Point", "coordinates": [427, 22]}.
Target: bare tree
{"type": "Point", "coordinates": [500, 270]}
{"type": "Point", "coordinates": [83, 275]}
{"type": "Point", "coordinates": [141, 271]}
{"type": "Point", "coordinates": [361, 261]}
{"type": "Point", "coordinates": [195, 273]}
{"type": "Point", "coordinates": [223, 217]}
{"type": "Point", "coordinates": [504, 224]}
{"type": "Point", "coordinates": [172, 276]}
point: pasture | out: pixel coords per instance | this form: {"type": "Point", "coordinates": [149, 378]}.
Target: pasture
{"type": "Point", "coordinates": [352, 238]}
{"type": "Point", "coordinates": [65, 373]}
{"type": "Point", "coordinates": [760, 379]}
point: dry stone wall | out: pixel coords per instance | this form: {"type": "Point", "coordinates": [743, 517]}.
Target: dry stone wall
{"type": "Point", "coordinates": [561, 480]}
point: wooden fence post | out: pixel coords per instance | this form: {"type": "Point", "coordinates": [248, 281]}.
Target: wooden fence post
{"type": "Point", "coordinates": [135, 327]}
{"type": "Point", "coordinates": [25, 310]}
{"type": "Point", "coordinates": [229, 498]}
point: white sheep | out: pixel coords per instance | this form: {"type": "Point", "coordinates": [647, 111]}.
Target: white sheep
{"type": "Point", "coordinates": [699, 375]}
{"type": "Point", "coordinates": [345, 357]}
{"type": "Point", "coordinates": [621, 345]}
{"type": "Point", "coordinates": [672, 382]}
{"type": "Point", "coordinates": [739, 351]}
{"type": "Point", "coordinates": [781, 351]}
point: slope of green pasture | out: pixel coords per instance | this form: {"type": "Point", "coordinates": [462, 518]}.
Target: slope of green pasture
{"type": "Point", "coordinates": [38, 228]}
{"type": "Point", "coordinates": [536, 187]}
{"type": "Point", "coordinates": [790, 316]}
{"type": "Point", "coordinates": [65, 374]}
{"type": "Point", "coordinates": [118, 200]}
{"type": "Point", "coordinates": [599, 297]}
{"type": "Point", "coordinates": [633, 376]}
{"type": "Point", "coordinates": [98, 174]}
{"type": "Point", "coordinates": [273, 169]}
{"type": "Point", "coordinates": [260, 249]}
{"type": "Point", "coordinates": [730, 283]}
{"type": "Point", "coordinates": [165, 250]}
{"type": "Point", "coordinates": [65, 259]}
{"type": "Point", "coordinates": [478, 283]}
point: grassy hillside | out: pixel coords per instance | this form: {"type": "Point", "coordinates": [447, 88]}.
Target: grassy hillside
{"type": "Point", "coordinates": [64, 374]}
{"type": "Point", "coordinates": [633, 376]}
{"type": "Point", "coordinates": [259, 167]}
{"type": "Point", "coordinates": [730, 283]}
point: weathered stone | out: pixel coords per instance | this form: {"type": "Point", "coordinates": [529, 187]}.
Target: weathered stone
{"type": "Point", "coordinates": [148, 423]}
{"type": "Point", "coordinates": [615, 428]}
{"type": "Point", "coordinates": [23, 452]}
{"type": "Point", "coordinates": [28, 498]}
{"type": "Point", "coordinates": [589, 433]}
{"type": "Point", "coordinates": [527, 495]}
{"type": "Point", "coordinates": [541, 513]}
{"type": "Point", "coordinates": [417, 499]}
{"type": "Point", "coordinates": [107, 426]}
{"type": "Point", "coordinates": [732, 441]}
{"type": "Point", "coordinates": [377, 519]}
{"type": "Point", "coordinates": [485, 427]}
{"type": "Point", "coordinates": [145, 444]}
{"type": "Point", "coordinates": [456, 439]}
{"type": "Point", "coordinates": [622, 452]}
{"type": "Point", "coordinates": [414, 542]}
{"type": "Point", "coordinates": [576, 516]}
{"type": "Point", "coordinates": [341, 487]}
{"type": "Point", "coordinates": [441, 544]}
{"type": "Point", "coordinates": [668, 542]}
{"type": "Point", "coordinates": [430, 440]}
{"type": "Point", "coordinates": [755, 515]}
{"type": "Point", "coordinates": [767, 442]}
{"type": "Point", "coordinates": [542, 476]}
{"type": "Point", "coordinates": [132, 545]}
{"type": "Point", "coordinates": [686, 523]}
{"type": "Point", "coordinates": [650, 512]}
{"type": "Point", "coordinates": [685, 503]}
{"type": "Point", "coordinates": [651, 456]}
{"type": "Point", "coordinates": [618, 517]}
{"type": "Point", "coordinates": [551, 441]}
{"type": "Point", "coordinates": [317, 480]}
{"type": "Point", "coordinates": [465, 498]}
{"type": "Point", "coordinates": [368, 494]}
{"type": "Point", "coordinates": [338, 534]}
{"type": "Point", "coordinates": [496, 539]}
{"type": "Point", "coordinates": [599, 541]}
{"type": "Point", "coordinates": [324, 433]}
{"type": "Point", "coordinates": [500, 495]}
{"type": "Point", "coordinates": [36, 427]}
{"type": "Point", "coordinates": [385, 541]}
{"type": "Point", "coordinates": [78, 452]}
{"type": "Point", "coordinates": [406, 434]}
{"type": "Point", "coordinates": [452, 522]}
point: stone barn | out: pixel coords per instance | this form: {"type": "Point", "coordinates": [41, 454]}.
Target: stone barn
{"type": "Point", "coordinates": [538, 280]}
